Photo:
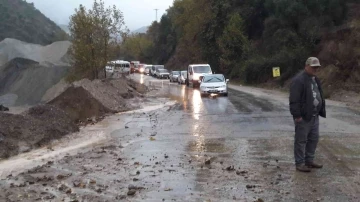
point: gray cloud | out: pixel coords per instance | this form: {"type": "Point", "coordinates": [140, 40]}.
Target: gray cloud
{"type": "Point", "coordinates": [137, 13]}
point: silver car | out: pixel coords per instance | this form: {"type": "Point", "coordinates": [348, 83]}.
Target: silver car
{"type": "Point", "coordinates": [182, 77]}
{"type": "Point", "coordinates": [174, 76]}
{"type": "Point", "coordinates": [162, 74]}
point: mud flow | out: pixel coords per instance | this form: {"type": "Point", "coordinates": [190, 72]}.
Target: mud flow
{"type": "Point", "coordinates": [184, 147]}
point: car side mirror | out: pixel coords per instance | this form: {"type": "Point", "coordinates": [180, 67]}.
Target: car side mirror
{"type": "Point", "coordinates": [227, 80]}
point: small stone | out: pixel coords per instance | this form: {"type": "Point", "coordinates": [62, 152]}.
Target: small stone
{"type": "Point", "coordinates": [126, 127]}
{"type": "Point", "coordinates": [208, 162]}
{"type": "Point", "coordinates": [166, 156]}
{"type": "Point", "coordinates": [138, 172]}
{"type": "Point", "coordinates": [131, 187]}
{"type": "Point", "coordinates": [135, 179]}
{"type": "Point", "coordinates": [120, 197]}
{"type": "Point", "coordinates": [131, 192]}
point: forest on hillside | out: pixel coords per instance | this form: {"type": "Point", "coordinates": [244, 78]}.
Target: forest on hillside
{"type": "Point", "coordinates": [244, 39]}
{"type": "Point", "coordinates": [21, 20]}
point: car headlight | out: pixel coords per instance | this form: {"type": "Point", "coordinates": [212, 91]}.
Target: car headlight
{"type": "Point", "coordinates": [224, 86]}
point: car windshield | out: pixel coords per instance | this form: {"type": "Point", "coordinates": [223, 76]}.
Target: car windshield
{"type": "Point", "coordinates": [163, 71]}
{"type": "Point", "coordinates": [175, 73]}
{"type": "Point", "coordinates": [202, 69]}
{"type": "Point", "coordinates": [214, 78]}
{"type": "Point", "coordinates": [184, 73]}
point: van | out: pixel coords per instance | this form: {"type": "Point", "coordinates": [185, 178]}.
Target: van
{"type": "Point", "coordinates": [196, 72]}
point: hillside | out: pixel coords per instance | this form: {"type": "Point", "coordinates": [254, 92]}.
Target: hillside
{"type": "Point", "coordinates": [21, 20]}
{"type": "Point", "coordinates": [246, 39]}
{"type": "Point", "coordinates": [141, 30]}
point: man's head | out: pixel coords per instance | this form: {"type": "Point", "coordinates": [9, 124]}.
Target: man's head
{"type": "Point", "coordinates": [312, 65]}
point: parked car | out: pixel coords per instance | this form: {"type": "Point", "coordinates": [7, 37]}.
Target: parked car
{"type": "Point", "coordinates": [215, 83]}
{"type": "Point", "coordinates": [182, 79]}
{"type": "Point", "coordinates": [174, 76]}
{"type": "Point", "coordinates": [196, 72]}
{"type": "Point", "coordinates": [162, 74]}
{"type": "Point", "coordinates": [154, 68]}
{"type": "Point", "coordinates": [147, 69]}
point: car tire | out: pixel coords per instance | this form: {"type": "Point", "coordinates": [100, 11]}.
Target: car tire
{"type": "Point", "coordinates": [225, 94]}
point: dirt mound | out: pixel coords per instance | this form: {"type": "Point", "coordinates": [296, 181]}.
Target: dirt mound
{"type": "Point", "coordinates": [80, 105]}
{"type": "Point", "coordinates": [28, 80]}
{"type": "Point", "coordinates": [32, 129]}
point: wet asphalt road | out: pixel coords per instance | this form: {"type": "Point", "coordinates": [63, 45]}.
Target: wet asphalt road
{"type": "Point", "coordinates": [236, 148]}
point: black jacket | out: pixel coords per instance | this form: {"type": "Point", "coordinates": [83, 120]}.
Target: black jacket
{"type": "Point", "coordinates": [301, 97]}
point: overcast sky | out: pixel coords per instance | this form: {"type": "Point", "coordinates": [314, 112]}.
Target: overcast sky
{"type": "Point", "coordinates": [137, 13]}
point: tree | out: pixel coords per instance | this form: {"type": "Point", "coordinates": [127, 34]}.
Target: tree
{"type": "Point", "coordinates": [94, 33]}
{"type": "Point", "coordinates": [233, 44]}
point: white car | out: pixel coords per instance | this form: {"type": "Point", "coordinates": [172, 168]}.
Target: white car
{"type": "Point", "coordinates": [215, 83]}
{"type": "Point", "coordinates": [147, 69]}
{"type": "Point", "coordinates": [196, 73]}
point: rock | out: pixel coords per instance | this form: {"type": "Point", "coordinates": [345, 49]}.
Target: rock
{"type": "Point", "coordinates": [208, 162]}
{"type": "Point", "coordinates": [60, 177]}
{"type": "Point", "coordinates": [138, 172]}
{"type": "Point", "coordinates": [132, 187]}
{"type": "Point", "coordinates": [250, 186]}
{"type": "Point", "coordinates": [153, 134]}
{"type": "Point", "coordinates": [230, 168]}
{"type": "Point", "coordinates": [120, 197]}
{"type": "Point", "coordinates": [135, 179]}
{"type": "Point", "coordinates": [241, 172]}
{"type": "Point", "coordinates": [3, 108]}
{"type": "Point", "coordinates": [260, 200]}
{"type": "Point", "coordinates": [64, 188]}
{"type": "Point", "coordinates": [166, 156]}
{"type": "Point", "coordinates": [131, 192]}
{"type": "Point", "coordinates": [126, 127]}
{"type": "Point", "coordinates": [92, 181]}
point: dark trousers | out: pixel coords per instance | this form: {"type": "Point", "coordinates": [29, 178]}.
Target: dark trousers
{"type": "Point", "coordinates": [306, 140]}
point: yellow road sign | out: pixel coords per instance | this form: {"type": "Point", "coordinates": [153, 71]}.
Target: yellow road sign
{"type": "Point", "coordinates": [276, 71]}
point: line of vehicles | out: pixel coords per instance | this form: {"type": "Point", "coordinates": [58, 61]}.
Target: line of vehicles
{"type": "Point", "coordinates": [196, 75]}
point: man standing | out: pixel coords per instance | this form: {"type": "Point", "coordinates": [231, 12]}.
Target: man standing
{"type": "Point", "coordinates": [306, 104]}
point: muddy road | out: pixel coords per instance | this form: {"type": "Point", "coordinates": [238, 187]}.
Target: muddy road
{"type": "Point", "coordinates": [181, 147]}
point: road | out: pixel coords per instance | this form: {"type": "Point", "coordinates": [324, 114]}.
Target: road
{"type": "Point", "coordinates": [182, 147]}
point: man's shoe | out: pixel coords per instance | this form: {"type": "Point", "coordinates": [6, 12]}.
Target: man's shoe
{"type": "Point", "coordinates": [313, 165]}
{"type": "Point", "coordinates": [303, 168]}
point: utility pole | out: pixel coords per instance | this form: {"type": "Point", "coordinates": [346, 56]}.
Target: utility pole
{"type": "Point", "coordinates": [156, 11]}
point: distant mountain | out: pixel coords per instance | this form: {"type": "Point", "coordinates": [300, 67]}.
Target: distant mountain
{"type": "Point", "coordinates": [141, 30]}
{"type": "Point", "coordinates": [65, 28]}
{"type": "Point", "coordinates": [21, 20]}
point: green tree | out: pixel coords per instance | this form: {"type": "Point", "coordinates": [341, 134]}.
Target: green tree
{"type": "Point", "coordinates": [94, 32]}
{"type": "Point", "coordinates": [233, 44]}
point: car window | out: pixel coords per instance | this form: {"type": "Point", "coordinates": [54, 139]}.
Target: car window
{"type": "Point", "coordinates": [202, 69]}
{"type": "Point", "coordinates": [213, 79]}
